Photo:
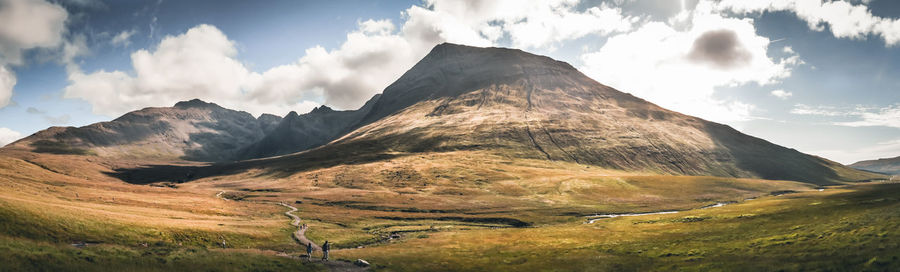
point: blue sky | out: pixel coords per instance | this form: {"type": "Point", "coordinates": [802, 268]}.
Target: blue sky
{"type": "Point", "coordinates": [819, 76]}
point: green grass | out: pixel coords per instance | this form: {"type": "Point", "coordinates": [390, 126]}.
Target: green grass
{"type": "Point", "coordinates": [19, 221]}
{"type": "Point", "coordinates": [855, 230]}
{"type": "Point", "coordinates": [35, 241]}
{"type": "Point", "coordinates": [17, 254]}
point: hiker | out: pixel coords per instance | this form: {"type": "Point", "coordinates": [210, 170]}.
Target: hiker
{"type": "Point", "coordinates": [325, 248]}
{"type": "Point", "coordinates": [309, 250]}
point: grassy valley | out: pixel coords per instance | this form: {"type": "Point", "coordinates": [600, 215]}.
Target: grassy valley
{"type": "Point", "coordinates": [459, 210]}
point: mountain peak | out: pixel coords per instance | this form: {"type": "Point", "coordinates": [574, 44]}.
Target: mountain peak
{"type": "Point", "coordinates": [321, 109]}
{"type": "Point", "coordinates": [452, 70]}
{"type": "Point", "coordinates": [194, 103]}
{"type": "Point", "coordinates": [487, 55]}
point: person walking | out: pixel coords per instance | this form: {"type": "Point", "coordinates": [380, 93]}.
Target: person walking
{"type": "Point", "coordinates": [309, 250]}
{"type": "Point", "coordinates": [325, 248]}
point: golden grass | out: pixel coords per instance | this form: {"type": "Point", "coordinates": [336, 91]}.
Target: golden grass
{"type": "Point", "coordinates": [460, 210]}
{"type": "Point", "coordinates": [813, 230]}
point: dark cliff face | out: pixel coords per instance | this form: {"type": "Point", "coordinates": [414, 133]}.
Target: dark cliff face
{"type": "Point", "coordinates": [296, 132]}
{"type": "Point", "coordinates": [268, 122]}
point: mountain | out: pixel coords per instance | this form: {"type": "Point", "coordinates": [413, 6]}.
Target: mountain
{"type": "Point", "coordinates": [268, 122]}
{"type": "Point", "coordinates": [190, 130]}
{"type": "Point", "coordinates": [519, 104]}
{"type": "Point", "coordinates": [298, 132]}
{"type": "Point", "coordinates": [887, 166]}
{"type": "Point", "coordinates": [503, 101]}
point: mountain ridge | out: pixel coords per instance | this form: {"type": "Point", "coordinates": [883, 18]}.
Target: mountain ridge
{"type": "Point", "coordinates": [505, 101]}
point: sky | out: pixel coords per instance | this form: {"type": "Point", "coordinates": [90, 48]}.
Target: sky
{"type": "Point", "coordinates": [820, 76]}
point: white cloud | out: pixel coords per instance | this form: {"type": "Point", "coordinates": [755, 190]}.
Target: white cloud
{"type": "Point", "coordinates": [75, 47]}
{"type": "Point", "coordinates": [123, 39]}
{"type": "Point", "coordinates": [533, 24]}
{"type": "Point", "coordinates": [782, 94]}
{"type": "Point", "coordinates": [844, 19]}
{"type": "Point", "coordinates": [25, 24]}
{"type": "Point", "coordinates": [876, 117]}
{"type": "Point", "coordinates": [680, 68]}
{"type": "Point", "coordinates": [803, 109]}
{"type": "Point", "coordinates": [202, 63]}
{"type": "Point", "coordinates": [7, 81]}
{"type": "Point", "coordinates": [788, 50]}
{"type": "Point", "coordinates": [8, 136]}
{"type": "Point", "coordinates": [198, 63]}
{"type": "Point", "coordinates": [887, 116]}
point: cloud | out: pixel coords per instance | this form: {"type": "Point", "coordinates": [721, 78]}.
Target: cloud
{"type": "Point", "coordinates": [7, 81]}
{"type": "Point", "coordinates": [72, 48]}
{"type": "Point", "coordinates": [533, 24]}
{"type": "Point", "coordinates": [875, 117]}
{"type": "Point", "coordinates": [58, 120]}
{"type": "Point", "coordinates": [54, 120]}
{"type": "Point", "coordinates": [198, 63]}
{"type": "Point", "coordinates": [782, 94]}
{"type": "Point", "coordinates": [33, 110]}
{"type": "Point", "coordinates": [680, 67]}
{"type": "Point", "coordinates": [8, 136]}
{"type": "Point", "coordinates": [887, 116]}
{"type": "Point", "coordinates": [844, 19]}
{"type": "Point", "coordinates": [123, 39]}
{"type": "Point", "coordinates": [202, 62]}
{"type": "Point", "coordinates": [25, 25]}
{"type": "Point", "coordinates": [788, 50]}
{"type": "Point", "coordinates": [720, 48]}
{"type": "Point", "coordinates": [803, 109]}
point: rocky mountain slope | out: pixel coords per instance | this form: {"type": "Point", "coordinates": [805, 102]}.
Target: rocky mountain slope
{"type": "Point", "coordinates": [887, 166]}
{"type": "Point", "coordinates": [524, 105]}
{"type": "Point", "coordinates": [298, 132]}
{"type": "Point", "coordinates": [190, 130]}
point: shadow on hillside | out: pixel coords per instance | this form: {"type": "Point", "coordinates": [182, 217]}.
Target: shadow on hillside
{"type": "Point", "coordinates": [59, 148]}
{"type": "Point", "coordinates": [771, 161]}
{"type": "Point", "coordinates": [348, 153]}
{"type": "Point", "coordinates": [156, 173]}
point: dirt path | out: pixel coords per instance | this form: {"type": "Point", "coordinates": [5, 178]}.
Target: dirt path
{"type": "Point", "coordinates": [300, 237]}
{"type": "Point", "coordinates": [300, 234]}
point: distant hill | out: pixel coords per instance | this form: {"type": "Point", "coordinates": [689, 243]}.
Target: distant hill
{"type": "Point", "coordinates": [887, 166]}
{"type": "Point", "coordinates": [190, 130]}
